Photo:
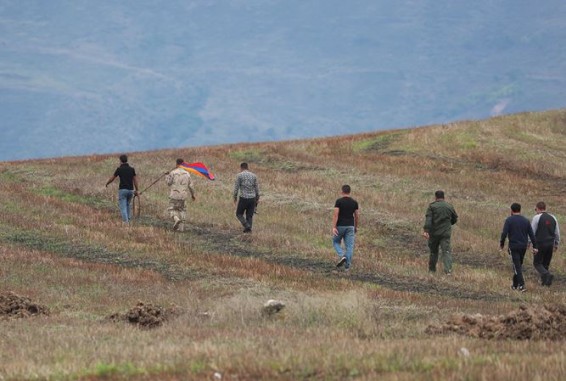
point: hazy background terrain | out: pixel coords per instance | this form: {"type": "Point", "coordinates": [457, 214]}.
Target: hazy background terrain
{"type": "Point", "coordinates": [80, 77]}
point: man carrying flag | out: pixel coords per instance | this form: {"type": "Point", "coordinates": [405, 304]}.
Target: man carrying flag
{"type": "Point", "coordinates": [180, 184]}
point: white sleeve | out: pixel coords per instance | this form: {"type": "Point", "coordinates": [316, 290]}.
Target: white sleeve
{"type": "Point", "coordinates": [534, 223]}
{"type": "Point", "coordinates": [556, 232]}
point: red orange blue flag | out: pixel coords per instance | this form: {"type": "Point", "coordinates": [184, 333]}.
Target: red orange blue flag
{"type": "Point", "coordinates": [197, 169]}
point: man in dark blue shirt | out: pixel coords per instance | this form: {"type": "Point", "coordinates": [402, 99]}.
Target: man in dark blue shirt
{"type": "Point", "coordinates": [519, 230]}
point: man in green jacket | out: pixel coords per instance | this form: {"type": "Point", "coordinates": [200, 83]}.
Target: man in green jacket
{"type": "Point", "coordinates": [440, 216]}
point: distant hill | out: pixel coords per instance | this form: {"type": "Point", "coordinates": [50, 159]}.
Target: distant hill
{"type": "Point", "coordinates": [81, 77]}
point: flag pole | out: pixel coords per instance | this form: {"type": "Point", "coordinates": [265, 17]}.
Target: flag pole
{"type": "Point", "coordinates": [153, 183]}
{"type": "Point", "coordinates": [137, 203]}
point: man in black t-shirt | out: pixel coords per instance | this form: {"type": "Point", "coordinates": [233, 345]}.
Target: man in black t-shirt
{"type": "Point", "coordinates": [345, 226]}
{"type": "Point", "coordinates": [127, 189]}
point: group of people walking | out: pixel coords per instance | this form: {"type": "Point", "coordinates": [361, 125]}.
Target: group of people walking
{"type": "Point", "coordinates": [246, 193]}
{"type": "Point", "coordinates": [542, 233]}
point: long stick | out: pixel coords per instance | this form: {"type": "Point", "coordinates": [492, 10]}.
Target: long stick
{"type": "Point", "coordinates": [137, 210]}
{"type": "Point", "coordinates": [153, 183]}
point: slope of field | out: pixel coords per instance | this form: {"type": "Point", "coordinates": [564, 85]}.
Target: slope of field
{"type": "Point", "coordinates": [63, 246]}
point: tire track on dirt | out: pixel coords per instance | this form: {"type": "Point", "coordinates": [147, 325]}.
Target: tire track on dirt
{"type": "Point", "coordinates": [96, 254]}
{"type": "Point", "coordinates": [236, 244]}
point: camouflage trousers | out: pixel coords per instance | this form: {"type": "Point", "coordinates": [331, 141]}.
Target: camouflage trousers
{"type": "Point", "coordinates": [178, 212]}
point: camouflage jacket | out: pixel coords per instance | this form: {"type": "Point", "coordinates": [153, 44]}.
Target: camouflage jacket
{"type": "Point", "coordinates": [180, 184]}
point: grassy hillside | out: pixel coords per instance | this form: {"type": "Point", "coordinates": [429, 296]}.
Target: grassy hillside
{"type": "Point", "coordinates": [62, 245]}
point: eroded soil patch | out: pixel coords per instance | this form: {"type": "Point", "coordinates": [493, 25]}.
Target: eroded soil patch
{"type": "Point", "coordinates": [146, 315]}
{"type": "Point", "coordinates": [526, 323]}
{"type": "Point", "coordinates": [15, 306]}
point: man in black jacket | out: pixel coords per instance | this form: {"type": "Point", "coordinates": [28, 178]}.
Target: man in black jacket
{"type": "Point", "coordinates": [519, 230]}
{"type": "Point", "coordinates": [547, 233]}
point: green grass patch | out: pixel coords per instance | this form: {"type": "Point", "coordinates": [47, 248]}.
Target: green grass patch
{"type": "Point", "coordinates": [10, 206]}
{"type": "Point", "coordinates": [377, 144]}
{"type": "Point", "coordinates": [248, 156]}
{"type": "Point", "coordinates": [107, 370]}
{"type": "Point", "coordinates": [7, 176]}
{"type": "Point", "coordinates": [120, 371]}
{"type": "Point", "coordinates": [198, 366]}
{"type": "Point", "coordinates": [282, 165]}
{"type": "Point", "coordinates": [58, 193]}
{"type": "Point", "coordinates": [96, 202]}
{"type": "Point", "coordinates": [465, 139]}
{"type": "Point", "coordinates": [275, 162]}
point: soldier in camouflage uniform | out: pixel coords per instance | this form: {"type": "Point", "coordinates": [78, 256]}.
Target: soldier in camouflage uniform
{"type": "Point", "coordinates": [180, 184]}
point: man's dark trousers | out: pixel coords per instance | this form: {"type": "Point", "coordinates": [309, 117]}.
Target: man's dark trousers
{"type": "Point", "coordinates": [443, 243]}
{"type": "Point", "coordinates": [517, 256]}
{"type": "Point", "coordinates": [542, 260]}
{"type": "Point", "coordinates": [246, 205]}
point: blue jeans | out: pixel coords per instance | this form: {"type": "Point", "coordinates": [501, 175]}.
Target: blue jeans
{"type": "Point", "coordinates": [124, 202]}
{"type": "Point", "coordinates": [346, 233]}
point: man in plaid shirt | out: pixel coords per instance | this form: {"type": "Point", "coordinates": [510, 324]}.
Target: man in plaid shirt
{"type": "Point", "coordinates": [247, 186]}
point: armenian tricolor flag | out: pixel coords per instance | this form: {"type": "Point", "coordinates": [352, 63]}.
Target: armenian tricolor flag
{"type": "Point", "coordinates": [197, 169]}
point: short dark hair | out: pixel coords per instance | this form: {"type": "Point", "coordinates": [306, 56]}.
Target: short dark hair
{"type": "Point", "coordinates": [439, 194]}
{"type": "Point", "coordinates": [541, 205]}
{"type": "Point", "coordinates": [515, 207]}
{"type": "Point", "coordinates": [244, 166]}
{"type": "Point", "coordinates": [346, 189]}
{"type": "Point", "coordinates": [124, 158]}
{"type": "Point", "coordinates": [180, 161]}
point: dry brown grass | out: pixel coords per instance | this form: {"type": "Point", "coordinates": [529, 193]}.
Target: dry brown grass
{"type": "Point", "coordinates": [62, 244]}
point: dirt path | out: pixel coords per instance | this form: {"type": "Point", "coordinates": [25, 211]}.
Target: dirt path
{"type": "Point", "coordinates": [97, 254]}
{"type": "Point", "coordinates": [229, 242]}
{"type": "Point", "coordinates": [236, 244]}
